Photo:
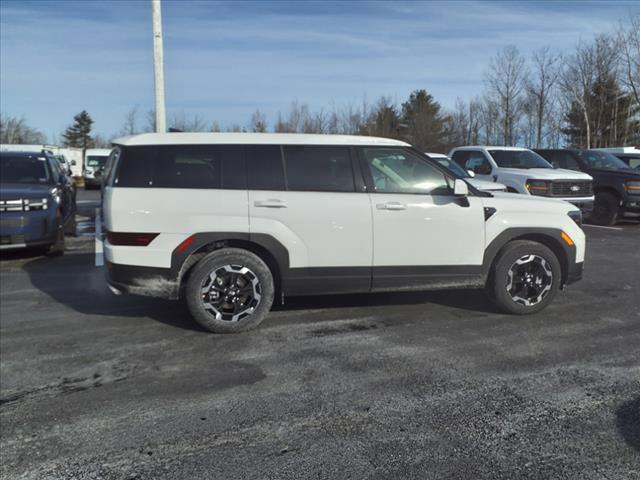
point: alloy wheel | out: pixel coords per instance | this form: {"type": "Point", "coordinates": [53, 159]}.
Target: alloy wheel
{"type": "Point", "coordinates": [231, 293]}
{"type": "Point", "coordinates": [529, 280]}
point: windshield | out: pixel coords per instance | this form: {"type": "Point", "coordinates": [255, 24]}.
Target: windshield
{"type": "Point", "coordinates": [96, 161]}
{"type": "Point", "coordinates": [519, 159]}
{"type": "Point", "coordinates": [453, 166]}
{"type": "Point", "coordinates": [603, 160]}
{"type": "Point", "coordinates": [22, 169]}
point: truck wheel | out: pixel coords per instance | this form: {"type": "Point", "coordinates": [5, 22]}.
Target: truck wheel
{"type": "Point", "coordinates": [230, 290]}
{"type": "Point", "coordinates": [605, 209]}
{"type": "Point", "coordinates": [57, 248]}
{"type": "Point", "coordinates": [525, 277]}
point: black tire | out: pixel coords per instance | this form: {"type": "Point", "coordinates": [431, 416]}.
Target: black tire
{"type": "Point", "coordinates": [605, 209]}
{"type": "Point", "coordinates": [71, 226]}
{"type": "Point", "coordinates": [214, 315]}
{"type": "Point", "coordinates": [57, 249]}
{"type": "Point", "coordinates": [539, 286]}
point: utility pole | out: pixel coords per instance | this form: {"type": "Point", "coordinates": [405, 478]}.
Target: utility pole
{"type": "Point", "coordinates": [158, 67]}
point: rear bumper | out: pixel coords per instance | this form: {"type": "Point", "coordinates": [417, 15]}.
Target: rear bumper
{"type": "Point", "coordinates": [147, 281]}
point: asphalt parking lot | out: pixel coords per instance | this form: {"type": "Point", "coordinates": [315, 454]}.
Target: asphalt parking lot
{"type": "Point", "coordinates": [417, 385]}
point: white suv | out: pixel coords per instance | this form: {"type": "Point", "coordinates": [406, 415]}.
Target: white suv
{"type": "Point", "coordinates": [524, 171]}
{"type": "Point", "coordinates": [228, 221]}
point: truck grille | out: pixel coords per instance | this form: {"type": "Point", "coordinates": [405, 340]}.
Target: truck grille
{"type": "Point", "coordinates": [572, 188]}
{"type": "Point", "coordinates": [23, 204]}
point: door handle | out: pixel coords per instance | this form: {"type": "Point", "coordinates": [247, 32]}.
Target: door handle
{"type": "Point", "coordinates": [391, 206]}
{"type": "Point", "coordinates": [270, 203]}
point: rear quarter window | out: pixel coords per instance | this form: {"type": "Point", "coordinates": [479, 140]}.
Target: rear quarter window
{"type": "Point", "coordinates": [182, 166]}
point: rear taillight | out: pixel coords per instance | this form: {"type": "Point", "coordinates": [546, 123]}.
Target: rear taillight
{"type": "Point", "coordinates": [131, 239]}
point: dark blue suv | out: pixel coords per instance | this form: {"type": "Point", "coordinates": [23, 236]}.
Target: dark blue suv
{"type": "Point", "coordinates": [37, 202]}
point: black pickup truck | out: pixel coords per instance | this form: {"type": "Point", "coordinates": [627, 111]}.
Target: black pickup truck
{"type": "Point", "coordinates": [615, 184]}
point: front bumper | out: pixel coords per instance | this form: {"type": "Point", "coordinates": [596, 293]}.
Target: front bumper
{"type": "Point", "coordinates": [575, 273]}
{"type": "Point", "coordinates": [632, 205]}
{"type": "Point", "coordinates": [584, 204]}
{"type": "Point", "coordinates": [28, 229]}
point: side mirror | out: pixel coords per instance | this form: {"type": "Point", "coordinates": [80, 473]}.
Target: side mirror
{"type": "Point", "coordinates": [460, 188]}
{"type": "Point", "coordinates": [73, 163]}
{"type": "Point", "coordinates": [471, 173]}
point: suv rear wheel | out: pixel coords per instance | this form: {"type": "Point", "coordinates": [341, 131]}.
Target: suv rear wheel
{"type": "Point", "coordinates": [230, 290]}
{"type": "Point", "coordinates": [525, 277]}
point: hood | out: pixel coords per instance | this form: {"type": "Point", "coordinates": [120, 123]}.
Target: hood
{"type": "Point", "coordinates": [626, 174]}
{"type": "Point", "coordinates": [527, 202]}
{"type": "Point", "coordinates": [12, 191]}
{"type": "Point", "coordinates": [485, 185]}
{"type": "Point", "coordinates": [546, 173]}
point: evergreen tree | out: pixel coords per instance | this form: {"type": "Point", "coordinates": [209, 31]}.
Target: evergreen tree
{"type": "Point", "coordinates": [423, 122]}
{"type": "Point", "coordinates": [78, 135]}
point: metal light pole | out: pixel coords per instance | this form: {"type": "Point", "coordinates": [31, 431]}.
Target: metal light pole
{"type": "Point", "coordinates": [158, 67]}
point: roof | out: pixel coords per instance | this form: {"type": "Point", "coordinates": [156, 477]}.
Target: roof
{"type": "Point", "coordinates": [175, 138]}
{"type": "Point", "coordinates": [98, 151]}
{"type": "Point", "coordinates": [490, 147]}
{"type": "Point", "coordinates": [22, 153]}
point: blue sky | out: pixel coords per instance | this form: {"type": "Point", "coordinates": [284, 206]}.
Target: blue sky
{"type": "Point", "coordinates": [225, 59]}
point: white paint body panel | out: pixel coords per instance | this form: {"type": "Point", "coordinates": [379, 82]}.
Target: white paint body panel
{"type": "Point", "coordinates": [172, 212]}
{"type": "Point", "coordinates": [320, 229]}
{"type": "Point", "coordinates": [430, 230]}
{"type": "Point", "coordinates": [519, 211]}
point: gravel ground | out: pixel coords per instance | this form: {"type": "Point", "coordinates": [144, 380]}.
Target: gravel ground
{"type": "Point", "coordinates": [433, 385]}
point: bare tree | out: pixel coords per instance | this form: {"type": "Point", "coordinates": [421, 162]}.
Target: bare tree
{"type": "Point", "coordinates": [629, 40]}
{"type": "Point", "coordinates": [130, 125]}
{"type": "Point", "coordinates": [14, 130]}
{"type": "Point", "coordinates": [258, 122]}
{"type": "Point", "coordinates": [187, 124]}
{"type": "Point", "coordinates": [505, 82]}
{"type": "Point", "coordinates": [540, 85]}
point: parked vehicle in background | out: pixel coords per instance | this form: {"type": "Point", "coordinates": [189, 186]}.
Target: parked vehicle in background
{"type": "Point", "coordinates": [95, 161]}
{"type": "Point", "coordinates": [37, 202]}
{"type": "Point", "coordinates": [615, 184]}
{"type": "Point", "coordinates": [66, 165]}
{"type": "Point", "coordinates": [631, 159]}
{"type": "Point", "coordinates": [629, 155]}
{"type": "Point", "coordinates": [467, 175]}
{"type": "Point", "coordinates": [524, 171]}
{"type": "Point", "coordinates": [228, 222]}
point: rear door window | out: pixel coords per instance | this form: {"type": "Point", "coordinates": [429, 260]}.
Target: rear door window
{"type": "Point", "coordinates": [318, 168]}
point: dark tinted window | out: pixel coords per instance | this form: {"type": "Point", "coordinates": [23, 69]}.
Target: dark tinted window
{"type": "Point", "coordinates": [181, 166]}
{"type": "Point", "coordinates": [460, 157]}
{"type": "Point", "coordinates": [519, 159]}
{"type": "Point", "coordinates": [563, 159]}
{"type": "Point", "coordinates": [135, 166]}
{"type": "Point", "coordinates": [318, 168]}
{"type": "Point", "coordinates": [264, 167]}
{"type": "Point", "coordinates": [194, 166]}
{"type": "Point", "coordinates": [24, 169]}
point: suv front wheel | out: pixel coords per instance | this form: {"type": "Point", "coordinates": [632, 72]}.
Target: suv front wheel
{"type": "Point", "coordinates": [230, 290]}
{"type": "Point", "coordinates": [525, 278]}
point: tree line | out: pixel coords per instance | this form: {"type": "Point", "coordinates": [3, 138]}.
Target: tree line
{"type": "Point", "coordinates": [587, 98]}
